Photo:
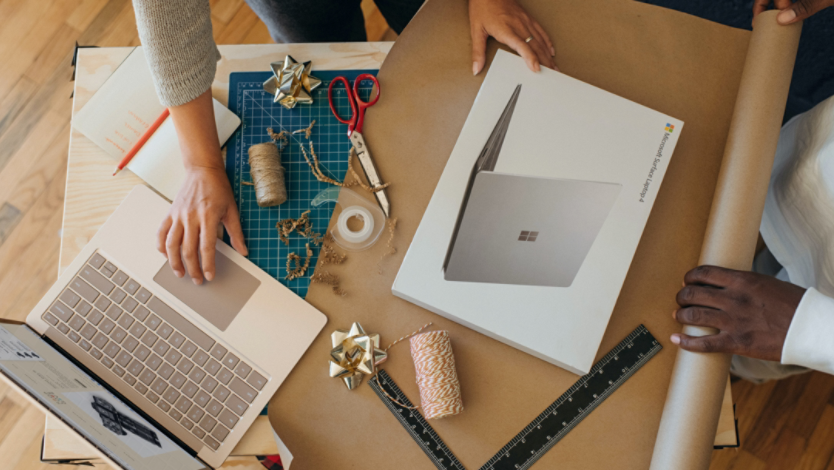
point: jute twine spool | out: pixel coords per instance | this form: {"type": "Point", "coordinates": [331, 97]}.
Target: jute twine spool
{"type": "Point", "coordinates": [437, 378]}
{"type": "Point", "coordinates": [267, 174]}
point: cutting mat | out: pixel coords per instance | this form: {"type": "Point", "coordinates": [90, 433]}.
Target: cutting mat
{"type": "Point", "coordinates": [257, 111]}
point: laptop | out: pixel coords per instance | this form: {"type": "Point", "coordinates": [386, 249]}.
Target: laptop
{"type": "Point", "coordinates": [154, 371]}
{"type": "Point", "coordinates": [524, 230]}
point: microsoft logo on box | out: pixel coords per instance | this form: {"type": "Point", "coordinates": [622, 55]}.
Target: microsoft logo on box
{"type": "Point", "coordinates": [670, 127]}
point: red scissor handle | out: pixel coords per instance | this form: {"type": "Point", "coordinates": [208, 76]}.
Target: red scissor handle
{"type": "Point", "coordinates": [357, 116]}
{"type": "Point", "coordinates": [352, 121]}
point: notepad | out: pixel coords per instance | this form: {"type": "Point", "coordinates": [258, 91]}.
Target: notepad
{"type": "Point", "coordinates": [124, 107]}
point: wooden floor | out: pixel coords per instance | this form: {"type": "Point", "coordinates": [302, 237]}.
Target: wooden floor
{"type": "Point", "coordinates": [785, 425]}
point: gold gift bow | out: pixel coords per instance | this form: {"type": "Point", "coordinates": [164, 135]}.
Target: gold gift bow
{"type": "Point", "coordinates": [291, 82]}
{"type": "Point", "coordinates": [356, 353]}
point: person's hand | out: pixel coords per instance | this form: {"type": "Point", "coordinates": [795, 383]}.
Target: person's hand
{"type": "Point", "coordinates": [792, 12]}
{"type": "Point", "coordinates": [751, 311]}
{"type": "Point", "coordinates": [204, 201]}
{"type": "Point", "coordinates": [508, 23]}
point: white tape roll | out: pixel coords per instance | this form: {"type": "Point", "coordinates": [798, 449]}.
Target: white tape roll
{"type": "Point", "coordinates": [352, 204]}
{"type": "Point", "coordinates": [367, 224]}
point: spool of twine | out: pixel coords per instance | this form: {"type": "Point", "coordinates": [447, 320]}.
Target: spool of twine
{"type": "Point", "coordinates": [267, 174]}
{"type": "Point", "coordinates": [437, 378]}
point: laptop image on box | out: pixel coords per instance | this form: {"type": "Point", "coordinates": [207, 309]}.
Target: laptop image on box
{"type": "Point", "coordinates": [524, 230]}
{"type": "Point", "coordinates": [153, 370]}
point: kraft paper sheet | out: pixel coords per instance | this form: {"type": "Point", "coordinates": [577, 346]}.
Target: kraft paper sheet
{"type": "Point", "coordinates": [673, 62]}
{"type": "Point", "coordinates": [690, 416]}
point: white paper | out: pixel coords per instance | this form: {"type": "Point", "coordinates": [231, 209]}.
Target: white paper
{"type": "Point", "coordinates": [159, 162]}
{"type": "Point", "coordinates": [283, 451]}
{"type": "Point", "coordinates": [124, 108]}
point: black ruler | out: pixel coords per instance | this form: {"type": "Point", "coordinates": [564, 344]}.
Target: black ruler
{"type": "Point", "coordinates": [551, 425]}
{"type": "Point", "coordinates": [415, 424]}
{"type": "Point", "coordinates": [574, 405]}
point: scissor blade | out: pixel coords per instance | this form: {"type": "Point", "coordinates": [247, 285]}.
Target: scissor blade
{"type": "Point", "coordinates": [382, 199]}
{"type": "Point", "coordinates": [370, 171]}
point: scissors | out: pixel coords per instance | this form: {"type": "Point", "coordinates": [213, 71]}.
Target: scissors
{"type": "Point", "coordinates": [357, 118]}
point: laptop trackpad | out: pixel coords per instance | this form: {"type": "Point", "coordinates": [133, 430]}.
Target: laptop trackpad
{"type": "Point", "coordinates": [218, 301]}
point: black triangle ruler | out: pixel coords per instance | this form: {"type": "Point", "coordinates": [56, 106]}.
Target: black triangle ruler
{"type": "Point", "coordinates": [415, 424]}
{"type": "Point", "coordinates": [550, 426]}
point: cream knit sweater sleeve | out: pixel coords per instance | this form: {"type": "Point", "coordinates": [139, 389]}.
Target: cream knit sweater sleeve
{"type": "Point", "coordinates": [179, 47]}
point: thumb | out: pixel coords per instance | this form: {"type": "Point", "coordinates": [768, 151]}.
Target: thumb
{"type": "Point", "coordinates": [479, 40]}
{"type": "Point", "coordinates": [232, 223]}
{"type": "Point", "coordinates": [802, 10]}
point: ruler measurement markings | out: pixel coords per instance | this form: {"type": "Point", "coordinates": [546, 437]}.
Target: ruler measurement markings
{"type": "Point", "coordinates": [434, 448]}
{"type": "Point", "coordinates": [531, 456]}
{"type": "Point", "coordinates": [549, 427]}
{"type": "Point", "coordinates": [583, 414]}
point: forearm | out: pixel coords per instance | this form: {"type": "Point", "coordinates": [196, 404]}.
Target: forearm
{"type": "Point", "coordinates": [197, 133]}
{"type": "Point", "coordinates": [189, 234]}
{"type": "Point", "coordinates": [179, 47]}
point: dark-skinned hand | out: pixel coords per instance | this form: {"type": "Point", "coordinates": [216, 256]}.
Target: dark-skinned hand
{"type": "Point", "coordinates": [752, 312]}
{"type": "Point", "coordinates": [791, 11]}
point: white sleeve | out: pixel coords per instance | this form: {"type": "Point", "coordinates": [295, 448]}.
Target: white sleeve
{"type": "Point", "coordinates": [810, 340]}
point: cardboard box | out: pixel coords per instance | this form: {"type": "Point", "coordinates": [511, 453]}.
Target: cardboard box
{"type": "Point", "coordinates": [535, 254]}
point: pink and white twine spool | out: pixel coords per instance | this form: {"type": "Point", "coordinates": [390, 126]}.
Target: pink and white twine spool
{"type": "Point", "coordinates": [437, 378]}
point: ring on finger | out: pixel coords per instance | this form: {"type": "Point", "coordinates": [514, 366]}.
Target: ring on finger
{"type": "Point", "coordinates": [529, 38]}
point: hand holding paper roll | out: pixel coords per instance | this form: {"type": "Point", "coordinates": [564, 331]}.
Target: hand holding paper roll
{"type": "Point", "coordinates": [752, 312]}
{"type": "Point", "coordinates": [693, 403]}
{"type": "Point", "coordinates": [792, 12]}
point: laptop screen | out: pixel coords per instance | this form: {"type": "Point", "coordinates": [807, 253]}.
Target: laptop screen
{"type": "Point", "coordinates": [87, 406]}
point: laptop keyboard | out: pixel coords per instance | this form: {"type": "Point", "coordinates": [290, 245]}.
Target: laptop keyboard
{"type": "Point", "coordinates": [178, 367]}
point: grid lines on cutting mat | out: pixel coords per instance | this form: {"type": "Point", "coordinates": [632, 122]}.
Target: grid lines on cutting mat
{"type": "Point", "coordinates": [258, 112]}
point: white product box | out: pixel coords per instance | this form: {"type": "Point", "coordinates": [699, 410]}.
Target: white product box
{"type": "Point", "coordinates": [534, 253]}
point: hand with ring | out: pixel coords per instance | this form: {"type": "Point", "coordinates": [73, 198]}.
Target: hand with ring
{"type": "Point", "coordinates": [507, 22]}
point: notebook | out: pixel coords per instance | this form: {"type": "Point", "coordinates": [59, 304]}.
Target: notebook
{"type": "Point", "coordinates": [124, 107]}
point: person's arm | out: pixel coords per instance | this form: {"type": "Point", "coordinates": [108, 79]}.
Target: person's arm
{"type": "Point", "coordinates": [180, 49]}
{"type": "Point", "coordinates": [791, 12]}
{"type": "Point", "coordinates": [205, 199]}
{"type": "Point", "coordinates": [757, 316]}
{"type": "Point", "coordinates": [507, 22]}
{"type": "Point", "coordinates": [752, 312]}
{"type": "Point", "coordinates": [177, 39]}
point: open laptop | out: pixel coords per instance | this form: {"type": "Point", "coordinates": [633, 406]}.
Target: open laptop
{"type": "Point", "coordinates": [524, 230]}
{"type": "Point", "coordinates": [154, 371]}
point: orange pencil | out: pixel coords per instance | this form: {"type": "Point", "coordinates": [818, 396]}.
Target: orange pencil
{"type": "Point", "coordinates": [139, 143]}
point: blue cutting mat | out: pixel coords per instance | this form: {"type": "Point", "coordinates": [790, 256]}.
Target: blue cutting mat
{"type": "Point", "coordinates": [257, 111]}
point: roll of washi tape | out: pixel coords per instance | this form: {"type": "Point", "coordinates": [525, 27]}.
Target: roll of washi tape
{"type": "Point", "coordinates": [360, 235]}
{"type": "Point", "coordinates": [437, 378]}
